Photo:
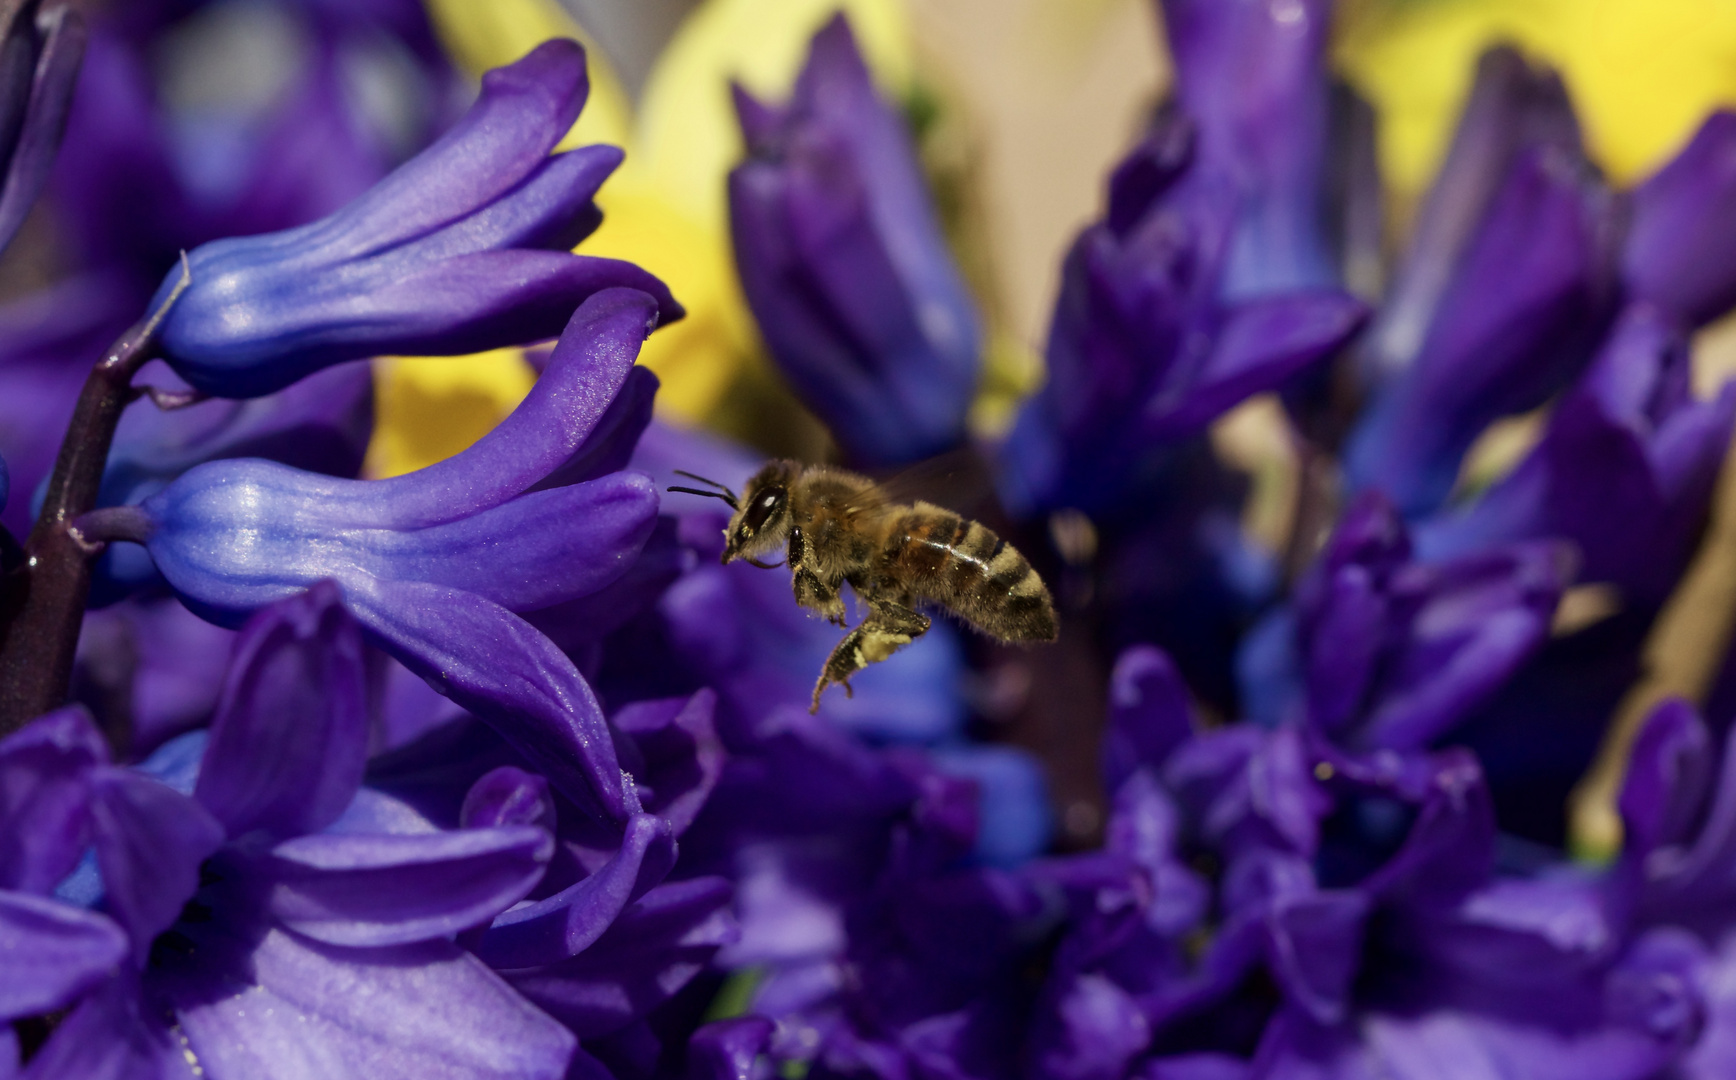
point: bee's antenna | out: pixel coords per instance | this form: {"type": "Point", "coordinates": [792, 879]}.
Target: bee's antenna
{"type": "Point", "coordinates": [726, 497]}
{"type": "Point", "coordinates": [703, 480]}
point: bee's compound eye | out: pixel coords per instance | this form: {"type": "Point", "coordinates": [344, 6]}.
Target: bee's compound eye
{"type": "Point", "coordinates": [762, 509]}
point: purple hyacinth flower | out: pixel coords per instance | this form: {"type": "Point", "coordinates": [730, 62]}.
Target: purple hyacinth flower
{"type": "Point", "coordinates": [1515, 105]}
{"type": "Point", "coordinates": [1673, 876]}
{"type": "Point", "coordinates": [844, 264]}
{"type": "Point", "coordinates": [39, 58]}
{"type": "Point", "coordinates": [1141, 352]}
{"type": "Point", "coordinates": [1678, 805]}
{"type": "Point", "coordinates": [271, 921]}
{"type": "Point", "coordinates": [1422, 958]}
{"type": "Point", "coordinates": [602, 940]}
{"type": "Point", "coordinates": [1625, 470]}
{"type": "Point", "coordinates": [219, 151]}
{"type": "Point", "coordinates": [438, 563]}
{"type": "Point", "coordinates": [1683, 222]}
{"type": "Point", "coordinates": [462, 248]}
{"type": "Point", "coordinates": [1252, 77]}
{"type": "Point", "coordinates": [1150, 714]}
{"type": "Point", "coordinates": [320, 424]}
{"type": "Point", "coordinates": [1381, 650]}
{"type": "Point", "coordinates": [1526, 303]}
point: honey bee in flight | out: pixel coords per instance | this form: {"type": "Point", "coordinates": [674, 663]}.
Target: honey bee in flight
{"type": "Point", "coordinates": [839, 527]}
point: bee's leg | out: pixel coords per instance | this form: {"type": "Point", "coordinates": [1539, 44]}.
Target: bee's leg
{"type": "Point", "coordinates": [811, 592]}
{"type": "Point", "coordinates": [888, 628]}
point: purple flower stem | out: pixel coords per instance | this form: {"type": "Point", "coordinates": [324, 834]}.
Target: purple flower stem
{"type": "Point", "coordinates": [42, 601]}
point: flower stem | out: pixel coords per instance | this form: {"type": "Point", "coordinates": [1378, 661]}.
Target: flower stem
{"type": "Point", "coordinates": [42, 601]}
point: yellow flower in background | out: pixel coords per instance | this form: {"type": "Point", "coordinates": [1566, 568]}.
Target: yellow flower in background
{"type": "Point", "coordinates": [1642, 73]}
{"type": "Point", "coordinates": [428, 408]}
{"type": "Point", "coordinates": [665, 209]}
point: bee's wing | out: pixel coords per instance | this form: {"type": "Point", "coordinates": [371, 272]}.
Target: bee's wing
{"type": "Point", "coordinates": [958, 480]}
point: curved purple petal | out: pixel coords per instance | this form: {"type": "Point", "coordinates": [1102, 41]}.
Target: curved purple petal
{"type": "Point", "coordinates": [1095, 1031]}
{"type": "Point", "coordinates": [1314, 948]}
{"type": "Point", "coordinates": [290, 738]}
{"type": "Point", "coordinates": [651, 951]}
{"type": "Point", "coordinates": [321, 424]}
{"type": "Point", "coordinates": [1669, 772]}
{"type": "Point", "coordinates": [1625, 470]}
{"type": "Point", "coordinates": [1472, 624]}
{"type": "Point", "coordinates": [508, 796]}
{"type": "Point", "coordinates": [727, 1049]}
{"type": "Point", "coordinates": [1528, 302]}
{"type": "Point", "coordinates": [1514, 103]}
{"type": "Point", "coordinates": [114, 1034]}
{"type": "Point", "coordinates": [682, 756]}
{"type": "Point", "coordinates": [842, 259]}
{"type": "Point", "coordinates": [44, 797]}
{"type": "Point", "coordinates": [1253, 76]}
{"type": "Point", "coordinates": [577, 624]}
{"type": "Point", "coordinates": [558, 926]}
{"type": "Point", "coordinates": [289, 1009]}
{"type": "Point", "coordinates": [452, 253]}
{"type": "Point", "coordinates": [1150, 713]}
{"type": "Point", "coordinates": [150, 840]}
{"type": "Point", "coordinates": [551, 559]}
{"type": "Point", "coordinates": [525, 108]}
{"type": "Point", "coordinates": [1261, 345]}
{"type": "Point", "coordinates": [360, 890]}
{"type": "Point", "coordinates": [1687, 878]}
{"type": "Point", "coordinates": [1450, 849]}
{"type": "Point", "coordinates": [611, 442]}
{"type": "Point", "coordinates": [30, 159]}
{"type": "Point", "coordinates": [1684, 220]}
{"type": "Point", "coordinates": [497, 666]}
{"type": "Point", "coordinates": [588, 368]}
{"type": "Point", "coordinates": [51, 953]}
{"type": "Point", "coordinates": [546, 211]}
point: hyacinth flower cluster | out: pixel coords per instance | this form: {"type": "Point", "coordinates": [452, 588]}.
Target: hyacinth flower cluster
{"type": "Point", "coordinates": [1352, 861]}
{"type": "Point", "coordinates": [493, 769]}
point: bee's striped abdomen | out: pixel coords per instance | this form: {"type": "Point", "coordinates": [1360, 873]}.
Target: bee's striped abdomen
{"type": "Point", "coordinates": [963, 565]}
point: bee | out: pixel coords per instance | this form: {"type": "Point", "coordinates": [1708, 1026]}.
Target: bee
{"type": "Point", "coordinates": [838, 527]}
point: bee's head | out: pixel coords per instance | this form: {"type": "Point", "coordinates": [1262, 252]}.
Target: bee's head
{"type": "Point", "coordinates": [763, 520]}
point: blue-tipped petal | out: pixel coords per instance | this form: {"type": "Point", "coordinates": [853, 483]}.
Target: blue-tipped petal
{"type": "Point", "coordinates": [447, 255]}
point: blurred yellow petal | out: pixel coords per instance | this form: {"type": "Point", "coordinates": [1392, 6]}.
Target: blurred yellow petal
{"type": "Point", "coordinates": [696, 358]}
{"type": "Point", "coordinates": [688, 140]}
{"type": "Point", "coordinates": [1012, 371]}
{"type": "Point", "coordinates": [431, 408]}
{"type": "Point", "coordinates": [484, 34]}
{"type": "Point", "coordinates": [1646, 72]}
{"type": "Point", "coordinates": [428, 408]}
{"type": "Point", "coordinates": [1643, 73]}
